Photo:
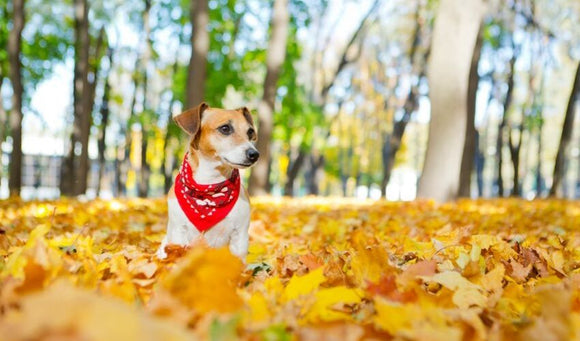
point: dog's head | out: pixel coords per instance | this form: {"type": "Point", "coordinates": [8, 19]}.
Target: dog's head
{"type": "Point", "coordinates": [220, 134]}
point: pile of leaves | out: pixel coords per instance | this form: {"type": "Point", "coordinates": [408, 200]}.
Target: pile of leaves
{"type": "Point", "coordinates": [316, 269]}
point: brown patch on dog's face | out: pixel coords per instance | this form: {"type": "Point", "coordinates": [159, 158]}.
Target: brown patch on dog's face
{"type": "Point", "coordinates": [227, 135]}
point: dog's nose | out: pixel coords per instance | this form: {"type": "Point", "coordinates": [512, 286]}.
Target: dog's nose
{"type": "Point", "coordinates": [252, 155]}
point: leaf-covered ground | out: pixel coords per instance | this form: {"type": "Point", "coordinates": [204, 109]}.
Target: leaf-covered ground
{"type": "Point", "coordinates": [317, 269]}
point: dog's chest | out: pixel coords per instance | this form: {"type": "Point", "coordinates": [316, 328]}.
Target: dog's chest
{"type": "Point", "coordinates": [182, 231]}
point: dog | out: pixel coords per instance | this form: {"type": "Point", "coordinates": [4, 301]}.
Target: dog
{"type": "Point", "coordinates": [207, 200]}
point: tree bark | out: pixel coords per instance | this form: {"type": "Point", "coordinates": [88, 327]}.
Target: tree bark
{"type": "Point", "coordinates": [168, 156]}
{"type": "Point", "coordinates": [197, 69]}
{"type": "Point", "coordinates": [71, 170]}
{"type": "Point", "coordinates": [515, 148]}
{"type": "Point", "coordinates": [470, 147]}
{"type": "Point", "coordinates": [500, 131]}
{"type": "Point", "coordinates": [259, 181]}
{"type": "Point", "coordinates": [89, 102]}
{"type": "Point", "coordinates": [144, 169]}
{"type": "Point", "coordinates": [3, 122]}
{"type": "Point", "coordinates": [539, 177]}
{"type": "Point", "coordinates": [292, 172]}
{"type": "Point", "coordinates": [454, 39]}
{"type": "Point", "coordinates": [566, 135]}
{"type": "Point", "coordinates": [82, 97]}
{"type": "Point", "coordinates": [104, 123]}
{"type": "Point", "coordinates": [14, 51]}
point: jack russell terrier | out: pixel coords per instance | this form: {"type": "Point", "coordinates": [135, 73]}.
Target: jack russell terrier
{"type": "Point", "coordinates": [207, 199]}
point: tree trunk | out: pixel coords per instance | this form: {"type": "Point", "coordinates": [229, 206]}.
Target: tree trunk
{"type": "Point", "coordinates": [314, 173]}
{"type": "Point", "coordinates": [119, 181]}
{"type": "Point", "coordinates": [104, 123]}
{"type": "Point", "coordinates": [387, 163]}
{"type": "Point", "coordinates": [500, 131]}
{"type": "Point", "coordinates": [197, 69]}
{"type": "Point", "coordinates": [89, 102]}
{"type": "Point", "coordinates": [72, 171]}
{"type": "Point", "coordinates": [144, 171]}
{"type": "Point", "coordinates": [259, 182]}
{"type": "Point", "coordinates": [292, 172]}
{"type": "Point", "coordinates": [3, 122]}
{"type": "Point", "coordinates": [146, 113]}
{"type": "Point", "coordinates": [454, 39]}
{"type": "Point", "coordinates": [84, 111]}
{"type": "Point", "coordinates": [167, 154]}
{"type": "Point", "coordinates": [566, 135]}
{"type": "Point", "coordinates": [479, 164]}
{"type": "Point", "coordinates": [470, 147]}
{"type": "Point", "coordinates": [539, 177]}
{"type": "Point", "coordinates": [515, 155]}
{"type": "Point", "coordinates": [14, 50]}
{"type": "Point", "coordinates": [125, 152]}
{"type": "Point", "coordinates": [392, 142]}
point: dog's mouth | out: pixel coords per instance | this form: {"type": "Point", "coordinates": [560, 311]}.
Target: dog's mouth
{"type": "Point", "coordinates": [238, 165]}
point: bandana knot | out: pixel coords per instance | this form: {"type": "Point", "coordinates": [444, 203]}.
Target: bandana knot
{"type": "Point", "coordinates": [205, 205]}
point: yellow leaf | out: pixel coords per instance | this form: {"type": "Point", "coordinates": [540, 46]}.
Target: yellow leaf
{"type": "Point", "coordinates": [465, 294]}
{"type": "Point", "coordinates": [324, 308]}
{"type": "Point", "coordinates": [369, 260]}
{"type": "Point", "coordinates": [415, 322]}
{"type": "Point", "coordinates": [65, 312]}
{"type": "Point", "coordinates": [206, 280]}
{"type": "Point", "coordinates": [302, 285]}
{"type": "Point", "coordinates": [258, 308]}
{"type": "Point", "coordinates": [485, 241]}
{"type": "Point", "coordinates": [492, 281]}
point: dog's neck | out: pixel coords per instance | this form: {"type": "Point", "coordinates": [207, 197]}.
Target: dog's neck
{"type": "Point", "coordinates": [207, 170]}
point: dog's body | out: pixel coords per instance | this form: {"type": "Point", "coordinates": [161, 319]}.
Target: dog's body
{"type": "Point", "coordinates": [222, 141]}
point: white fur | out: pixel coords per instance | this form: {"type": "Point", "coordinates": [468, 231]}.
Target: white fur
{"type": "Point", "coordinates": [232, 230]}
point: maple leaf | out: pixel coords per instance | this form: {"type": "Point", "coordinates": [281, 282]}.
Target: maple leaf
{"type": "Point", "coordinates": [206, 280]}
{"type": "Point", "coordinates": [65, 312]}
{"type": "Point", "coordinates": [302, 285]}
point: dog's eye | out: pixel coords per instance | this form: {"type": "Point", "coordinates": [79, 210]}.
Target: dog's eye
{"type": "Point", "coordinates": [226, 129]}
{"type": "Point", "coordinates": [251, 133]}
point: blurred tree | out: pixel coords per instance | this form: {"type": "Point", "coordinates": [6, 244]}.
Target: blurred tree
{"type": "Point", "coordinates": [104, 118]}
{"type": "Point", "coordinates": [392, 141]}
{"type": "Point", "coordinates": [319, 96]}
{"type": "Point", "coordinates": [71, 169]}
{"type": "Point", "coordinates": [454, 38]}
{"type": "Point", "coordinates": [259, 178]}
{"type": "Point", "coordinates": [4, 33]}
{"type": "Point", "coordinates": [470, 146]}
{"type": "Point", "coordinates": [75, 165]}
{"type": "Point", "coordinates": [200, 41]}
{"type": "Point", "coordinates": [43, 45]}
{"type": "Point", "coordinates": [14, 51]}
{"type": "Point", "coordinates": [566, 134]}
{"type": "Point", "coordinates": [146, 116]}
{"type": "Point", "coordinates": [506, 107]}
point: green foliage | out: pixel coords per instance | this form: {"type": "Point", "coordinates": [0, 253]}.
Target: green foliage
{"type": "Point", "coordinates": [298, 115]}
{"type": "Point", "coordinates": [4, 39]}
{"type": "Point", "coordinates": [46, 40]}
{"type": "Point", "coordinates": [239, 65]}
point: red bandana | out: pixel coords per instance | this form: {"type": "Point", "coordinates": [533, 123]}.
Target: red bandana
{"type": "Point", "coordinates": [205, 205]}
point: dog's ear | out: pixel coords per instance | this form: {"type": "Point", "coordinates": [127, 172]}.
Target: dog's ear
{"type": "Point", "coordinates": [247, 115]}
{"type": "Point", "coordinates": [190, 120]}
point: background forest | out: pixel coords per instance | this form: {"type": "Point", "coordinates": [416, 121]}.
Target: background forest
{"type": "Point", "coordinates": [346, 94]}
